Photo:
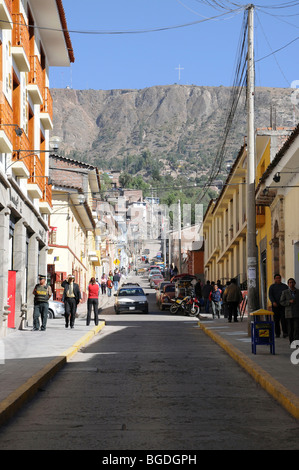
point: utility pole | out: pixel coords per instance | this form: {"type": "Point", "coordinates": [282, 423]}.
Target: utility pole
{"type": "Point", "coordinates": [180, 236]}
{"type": "Point", "coordinates": [251, 207]}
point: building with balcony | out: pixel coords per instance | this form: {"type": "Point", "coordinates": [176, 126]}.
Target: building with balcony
{"type": "Point", "coordinates": [225, 226]}
{"type": "Point", "coordinates": [33, 37]}
{"type": "Point", "coordinates": [72, 224]}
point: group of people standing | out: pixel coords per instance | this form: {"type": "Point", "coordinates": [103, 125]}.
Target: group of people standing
{"type": "Point", "coordinates": [285, 306]}
{"type": "Point", "coordinates": [222, 299]}
{"type": "Point", "coordinates": [283, 297]}
{"type": "Point", "coordinates": [71, 298]}
{"type": "Point", "coordinates": [42, 293]}
{"type": "Point", "coordinates": [107, 283]}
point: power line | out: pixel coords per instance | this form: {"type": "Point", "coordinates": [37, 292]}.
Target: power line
{"type": "Point", "coordinates": [237, 89]}
{"type": "Point", "coordinates": [278, 65]}
{"type": "Point", "coordinates": [278, 50]}
{"type": "Point", "coordinates": [140, 31]}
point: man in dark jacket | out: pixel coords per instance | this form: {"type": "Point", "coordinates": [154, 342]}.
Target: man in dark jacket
{"type": "Point", "coordinates": [71, 298]}
{"type": "Point", "coordinates": [116, 279]}
{"type": "Point", "coordinates": [233, 296]}
{"type": "Point", "coordinates": [42, 293]}
{"type": "Point", "coordinates": [275, 291]}
{"type": "Point", "coordinates": [206, 293]}
{"type": "Point", "coordinates": [290, 300]}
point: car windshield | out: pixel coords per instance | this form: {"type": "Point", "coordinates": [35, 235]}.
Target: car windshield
{"type": "Point", "coordinates": [132, 292]}
{"type": "Point", "coordinates": [157, 276]}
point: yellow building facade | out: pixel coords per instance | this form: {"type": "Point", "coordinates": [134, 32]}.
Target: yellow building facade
{"type": "Point", "coordinates": [278, 190]}
{"type": "Point", "coordinates": [277, 230]}
{"type": "Point", "coordinates": [225, 225]}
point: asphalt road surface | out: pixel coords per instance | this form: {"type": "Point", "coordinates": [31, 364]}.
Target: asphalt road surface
{"type": "Point", "coordinates": [151, 382]}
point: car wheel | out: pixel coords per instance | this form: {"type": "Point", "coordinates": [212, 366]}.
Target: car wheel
{"type": "Point", "coordinates": [51, 314]}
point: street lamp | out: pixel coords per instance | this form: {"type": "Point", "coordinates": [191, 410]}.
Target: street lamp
{"type": "Point", "coordinates": [55, 143]}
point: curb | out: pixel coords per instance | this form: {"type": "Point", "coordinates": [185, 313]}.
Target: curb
{"type": "Point", "coordinates": [10, 405]}
{"type": "Point", "coordinates": [286, 398]}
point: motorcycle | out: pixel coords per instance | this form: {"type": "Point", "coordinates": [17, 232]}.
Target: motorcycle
{"type": "Point", "coordinates": [179, 305]}
{"type": "Point", "coordinates": [193, 306]}
{"type": "Point", "coordinates": [189, 305]}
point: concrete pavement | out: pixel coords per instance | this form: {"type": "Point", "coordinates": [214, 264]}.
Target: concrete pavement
{"type": "Point", "coordinates": [29, 359]}
{"type": "Point", "coordinates": [277, 373]}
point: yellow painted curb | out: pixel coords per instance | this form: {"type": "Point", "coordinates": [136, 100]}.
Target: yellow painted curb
{"type": "Point", "coordinates": [286, 398]}
{"type": "Point", "coordinates": [15, 400]}
{"type": "Point", "coordinates": [82, 341]}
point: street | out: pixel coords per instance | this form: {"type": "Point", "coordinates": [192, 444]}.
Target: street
{"type": "Point", "coordinates": [150, 382]}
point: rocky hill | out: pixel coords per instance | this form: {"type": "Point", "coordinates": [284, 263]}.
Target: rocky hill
{"type": "Point", "coordinates": [177, 125]}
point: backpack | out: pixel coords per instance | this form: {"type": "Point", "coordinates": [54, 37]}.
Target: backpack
{"type": "Point", "coordinates": [109, 284]}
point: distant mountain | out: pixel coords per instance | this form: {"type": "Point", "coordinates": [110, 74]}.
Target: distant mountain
{"type": "Point", "coordinates": [179, 126]}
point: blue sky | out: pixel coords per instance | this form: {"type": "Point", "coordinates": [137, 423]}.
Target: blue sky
{"type": "Point", "coordinates": [206, 52]}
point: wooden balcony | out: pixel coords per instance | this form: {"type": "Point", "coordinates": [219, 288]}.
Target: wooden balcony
{"type": "Point", "coordinates": [45, 203]}
{"type": "Point", "coordinates": [6, 132]}
{"type": "Point", "coordinates": [20, 43]}
{"type": "Point", "coordinates": [6, 14]}
{"type": "Point", "coordinates": [46, 115]}
{"type": "Point", "coordinates": [35, 186]}
{"type": "Point", "coordinates": [35, 80]}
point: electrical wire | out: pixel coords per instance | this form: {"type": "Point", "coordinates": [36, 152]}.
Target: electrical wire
{"type": "Point", "coordinates": [278, 50]}
{"type": "Point", "coordinates": [140, 31]}
{"type": "Point", "coordinates": [220, 5]}
{"type": "Point", "coordinates": [236, 12]}
{"type": "Point", "coordinates": [266, 39]}
{"type": "Point", "coordinates": [237, 90]}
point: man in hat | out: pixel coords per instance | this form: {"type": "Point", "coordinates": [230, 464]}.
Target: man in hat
{"type": "Point", "coordinates": [42, 293]}
{"type": "Point", "coordinates": [71, 298]}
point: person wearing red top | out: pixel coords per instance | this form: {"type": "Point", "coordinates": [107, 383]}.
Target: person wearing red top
{"type": "Point", "coordinates": [93, 301]}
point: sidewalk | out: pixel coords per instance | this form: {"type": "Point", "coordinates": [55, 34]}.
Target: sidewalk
{"type": "Point", "coordinates": [274, 372]}
{"type": "Point", "coordinates": [29, 359]}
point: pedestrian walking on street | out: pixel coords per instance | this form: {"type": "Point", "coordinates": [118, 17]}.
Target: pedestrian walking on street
{"type": "Point", "coordinates": [197, 290]}
{"type": "Point", "coordinates": [215, 299]}
{"type": "Point", "coordinates": [71, 298]}
{"type": "Point", "coordinates": [42, 293]}
{"type": "Point", "coordinates": [109, 286]}
{"type": "Point", "coordinates": [206, 294]}
{"type": "Point", "coordinates": [93, 301]}
{"type": "Point", "coordinates": [116, 279]}
{"type": "Point", "coordinates": [275, 291]}
{"type": "Point", "coordinates": [290, 300]}
{"type": "Point", "coordinates": [103, 283]}
{"type": "Point", "coordinates": [224, 305]}
{"type": "Point", "coordinates": [232, 296]}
